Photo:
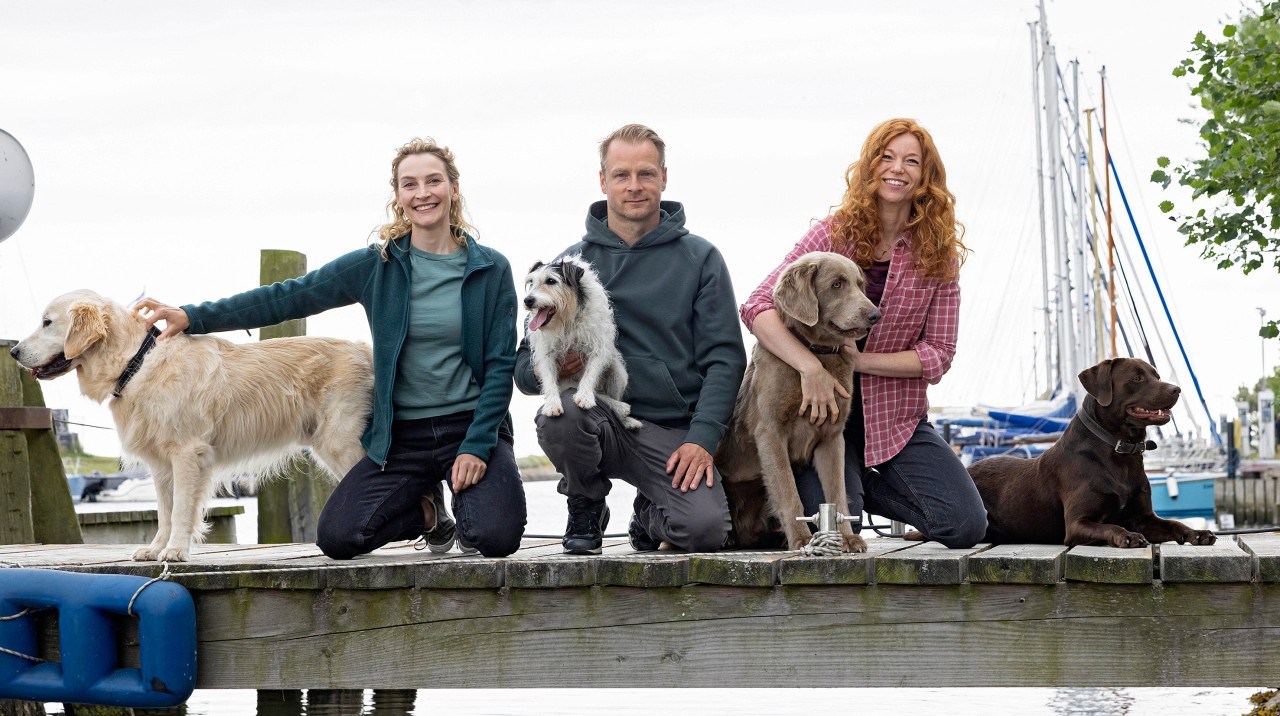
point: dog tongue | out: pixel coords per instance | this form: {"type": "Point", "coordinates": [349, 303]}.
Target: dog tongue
{"type": "Point", "coordinates": [539, 318]}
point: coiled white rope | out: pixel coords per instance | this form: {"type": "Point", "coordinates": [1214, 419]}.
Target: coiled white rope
{"type": "Point", "coordinates": [824, 544]}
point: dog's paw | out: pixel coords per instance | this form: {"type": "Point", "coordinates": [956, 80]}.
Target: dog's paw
{"type": "Point", "coordinates": [1129, 540]}
{"type": "Point", "coordinates": [1201, 537]}
{"type": "Point", "coordinates": [914, 536]}
{"type": "Point", "coordinates": [631, 424]}
{"type": "Point", "coordinates": [552, 411]}
{"type": "Point", "coordinates": [173, 554]}
{"type": "Point", "coordinates": [855, 544]}
{"type": "Point", "coordinates": [144, 554]}
{"type": "Point", "coordinates": [586, 401]}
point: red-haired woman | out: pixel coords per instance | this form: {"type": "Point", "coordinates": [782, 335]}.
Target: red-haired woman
{"type": "Point", "coordinates": [897, 221]}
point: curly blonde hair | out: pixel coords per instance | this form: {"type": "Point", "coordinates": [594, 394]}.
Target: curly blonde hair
{"type": "Point", "coordinates": [400, 224]}
{"type": "Point", "coordinates": [937, 238]}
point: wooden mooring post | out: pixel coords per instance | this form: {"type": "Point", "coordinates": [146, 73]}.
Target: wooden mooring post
{"type": "Point", "coordinates": [35, 501]}
{"type": "Point", "coordinates": [289, 506]}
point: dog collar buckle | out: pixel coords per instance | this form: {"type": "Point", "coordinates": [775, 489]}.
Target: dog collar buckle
{"type": "Point", "coordinates": [1125, 448]}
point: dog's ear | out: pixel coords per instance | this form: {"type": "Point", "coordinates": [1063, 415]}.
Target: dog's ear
{"type": "Point", "coordinates": [88, 326]}
{"type": "Point", "coordinates": [572, 275]}
{"type": "Point", "coordinates": [536, 265]}
{"type": "Point", "coordinates": [795, 295]}
{"type": "Point", "coordinates": [1097, 382]}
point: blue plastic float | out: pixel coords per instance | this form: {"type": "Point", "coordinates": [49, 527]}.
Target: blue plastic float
{"type": "Point", "coordinates": [89, 672]}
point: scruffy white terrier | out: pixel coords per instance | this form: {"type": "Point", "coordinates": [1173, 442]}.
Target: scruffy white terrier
{"type": "Point", "coordinates": [570, 312]}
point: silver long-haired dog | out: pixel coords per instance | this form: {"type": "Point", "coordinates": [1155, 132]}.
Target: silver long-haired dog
{"type": "Point", "coordinates": [820, 298]}
{"type": "Point", "coordinates": [198, 408]}
{"type": "Point", "coordinates": [570, 312]}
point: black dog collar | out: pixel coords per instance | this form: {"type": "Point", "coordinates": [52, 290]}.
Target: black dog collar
{"type": "Point", "coordinates": [818, 350]}
{"type": "Point", "coordinates": [1120, 446]}
{"type": "Point", "coordinates": [135, 362]}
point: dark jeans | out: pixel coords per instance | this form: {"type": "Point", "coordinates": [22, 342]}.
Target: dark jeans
{"type": "Point", "coordinates": [925, 485]}
{"type": "Point", "coordinates": [590, 446]}
{"type": "Point", "coordinates": [376, 504]}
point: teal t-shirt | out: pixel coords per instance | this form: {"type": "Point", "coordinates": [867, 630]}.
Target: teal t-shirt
{"type": "Point", "coordinates": [431, 377]}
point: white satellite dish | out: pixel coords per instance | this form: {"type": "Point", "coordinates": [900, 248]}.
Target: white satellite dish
{"type": "Point", "coordinates": [17, 185]}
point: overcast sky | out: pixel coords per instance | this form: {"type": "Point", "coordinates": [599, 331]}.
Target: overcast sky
{"type": "Point", "coordinates": [174, 141]}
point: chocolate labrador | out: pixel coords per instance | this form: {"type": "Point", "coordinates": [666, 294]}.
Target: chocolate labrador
{"type": "Point", "coordinates": [1090, 487]}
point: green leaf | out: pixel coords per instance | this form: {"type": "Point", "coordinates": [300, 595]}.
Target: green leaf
{"type": "Point", "coordinates": [1229, 31]}
{"type": "Point", "coordinates": [1163, 162]}
{"type": "Point", "coordinates": [1166, 206]}
{"type": "Point", "coordinates": [1271, 330]}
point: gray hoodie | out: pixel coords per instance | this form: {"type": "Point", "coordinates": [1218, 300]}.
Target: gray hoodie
{"type": "Point", "coordinates": [677, 324]}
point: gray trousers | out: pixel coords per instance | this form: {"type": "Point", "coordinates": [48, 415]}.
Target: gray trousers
{"type": "Point", "coordinates": [925, 485]}
{"type": "Point", "coordinates": [590, 447]}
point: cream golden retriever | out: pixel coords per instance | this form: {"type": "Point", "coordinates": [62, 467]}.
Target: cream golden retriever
{"type": "Point", "coordinates": [820, 298]}
{"type": "Point", "coordinates": [199, 409]}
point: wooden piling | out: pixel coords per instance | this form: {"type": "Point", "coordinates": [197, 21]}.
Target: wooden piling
{"type": "Point", "coordinates": [15, 469]}
{"type": "Point", "coordinates": [288, 508]}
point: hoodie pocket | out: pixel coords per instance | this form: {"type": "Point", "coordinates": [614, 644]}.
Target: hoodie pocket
{"type": "Point", "coordinates": [650, 384]}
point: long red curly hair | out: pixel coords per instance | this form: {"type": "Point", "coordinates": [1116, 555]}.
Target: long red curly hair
{"type": "Point", "coordinates": [937, 238]}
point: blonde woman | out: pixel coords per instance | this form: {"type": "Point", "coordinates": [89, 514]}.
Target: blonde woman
{"type": "Point", "coordinates": [897, 221]}
{"type": "Point", "coordinates": [441, 311]}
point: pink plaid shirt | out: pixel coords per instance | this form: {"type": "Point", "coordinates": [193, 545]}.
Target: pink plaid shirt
{"type": "Point", "coordinates": [920, 314]}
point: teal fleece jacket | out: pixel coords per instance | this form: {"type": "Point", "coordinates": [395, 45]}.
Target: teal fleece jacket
{"type": "Point", "coordinates": [677, 324]}
{"type": "Point", "coordinates": [382, 287]}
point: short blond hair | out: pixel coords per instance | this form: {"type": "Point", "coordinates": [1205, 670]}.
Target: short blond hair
{"type": "Point", "coordinates": [634, 134]}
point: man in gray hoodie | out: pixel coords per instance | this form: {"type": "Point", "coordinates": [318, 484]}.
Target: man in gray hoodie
{"type": "Point", "coordinates": [678, 333]}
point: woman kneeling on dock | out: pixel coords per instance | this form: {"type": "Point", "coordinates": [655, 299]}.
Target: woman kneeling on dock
{"type": "Point", "coordinates": [441, 311]}
{"type": "Point", "coordinates": [897, 222]}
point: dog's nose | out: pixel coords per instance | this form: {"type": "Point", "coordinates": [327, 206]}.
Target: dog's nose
{"type": "Point", "coordinates": [14, 352]}
{"type": "Point", "coordinates": [875, 316]}
{"type": "Point", "coordinates": [528, 301]}
{"type": "Point", "coordinates": [1174, 390]}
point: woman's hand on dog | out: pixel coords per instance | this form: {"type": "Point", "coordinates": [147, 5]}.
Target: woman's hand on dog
{"type": "Point", "coordinates": [818, 390]}
{"type": "Point", "coordinates": [175, 319]}
{"type": "Point", "coordinates": [688, 465]}
{"type": "Point", "coordinates": [467, 471]}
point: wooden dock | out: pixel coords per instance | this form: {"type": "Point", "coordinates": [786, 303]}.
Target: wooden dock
{"type": "Point", "coordinates": [905, 614]}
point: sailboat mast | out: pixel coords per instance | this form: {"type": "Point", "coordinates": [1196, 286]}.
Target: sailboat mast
{"type": "Point", "coordinates": [1099, 330]}
{"type": "Point", "coordinates": [1066, 340]}
{"type": "Point", "coordinates": [1084, 355]}
{"type": "Point", "coordinates": [1044, 240]}
{"type": "Point", "coordinates": [1111, 242]}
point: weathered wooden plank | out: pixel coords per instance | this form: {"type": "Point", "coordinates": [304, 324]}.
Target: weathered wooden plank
{"type": "Point", "coordinates": [755, 569]}
{"type": "Point", "coordinates": [925, 563]}
{"type": "Point", "coordinates": [1223, 561]}
{"type": "Point", "coordinates": [543, 564]}
{"type": "Point", "coordinates": [1018, 564]}
{"type": "Point", "coordinates": [1265, 549]}
{"type": "Point", "coordinates": [550, 572]}
{"type": "Point", "coordinates": [460, 573]}
{"type": "Point", "coordinates": [1109, 565]}
{"type": "Point", "coordinates": [645, 569]}
{"type": "Point", "coordinates": [715, 636]}
{"type": "Point", "coordinates": [845, 569]}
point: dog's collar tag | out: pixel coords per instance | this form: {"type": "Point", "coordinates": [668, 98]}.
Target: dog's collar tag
{"type": "Point", "coordinates": [136, 361]}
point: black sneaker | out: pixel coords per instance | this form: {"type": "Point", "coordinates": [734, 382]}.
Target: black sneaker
{"type": "Point", "coordinates": [584, 534]}
{"type": "Point", "coordinates": [640, 540]}
{"type": "Point", "coordinates": [636, 534]}
{"type": "Point", "coordinates": [444, 533]}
